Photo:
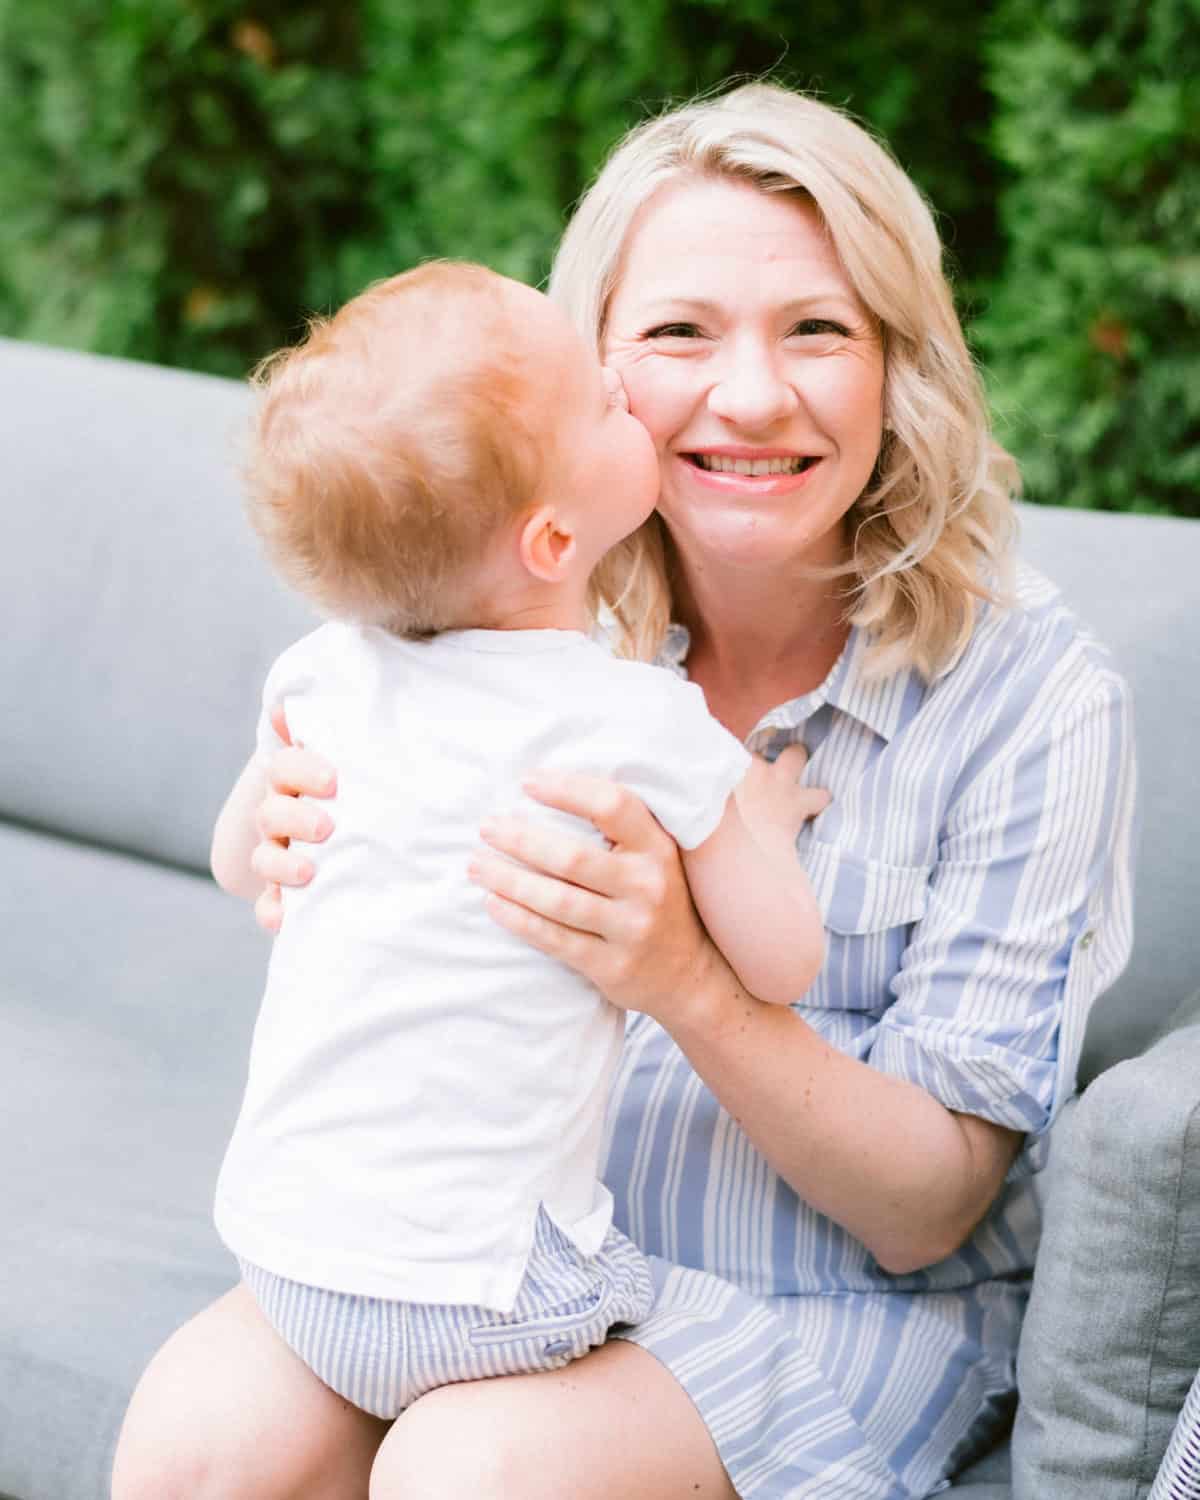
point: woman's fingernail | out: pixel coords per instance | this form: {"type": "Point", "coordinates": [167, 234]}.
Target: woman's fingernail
{"type": "Point", "coordinates": [322, 827]}
{"type": "Point", "coordinates": [489, 828]}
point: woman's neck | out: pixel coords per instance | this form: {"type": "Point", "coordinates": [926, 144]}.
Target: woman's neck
{"type": "Point", "coordinates": [757, 642]}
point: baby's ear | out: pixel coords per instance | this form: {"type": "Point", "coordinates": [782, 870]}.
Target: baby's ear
{"type": "Point", "coordinates": [547, 544]}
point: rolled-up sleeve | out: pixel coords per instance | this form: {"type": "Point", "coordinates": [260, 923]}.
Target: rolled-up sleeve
{"type": "Point", "coordinates": [1028, 918]}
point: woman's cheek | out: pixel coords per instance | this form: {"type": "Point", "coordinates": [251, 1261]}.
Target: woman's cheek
{"type": "Point", "coordinates": [660, 397]}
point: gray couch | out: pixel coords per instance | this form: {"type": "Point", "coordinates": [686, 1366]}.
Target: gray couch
{"type": "Point", "coordinates": [138, 623]}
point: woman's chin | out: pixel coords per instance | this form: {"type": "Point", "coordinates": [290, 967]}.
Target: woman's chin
{"type": "Point", "coordinates": [753, 538]}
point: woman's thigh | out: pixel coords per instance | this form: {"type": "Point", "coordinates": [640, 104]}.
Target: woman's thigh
{"type": "Point", "coordinates": [615, 1422]}
{"type": "Point", "coordinates": [226, 1411]}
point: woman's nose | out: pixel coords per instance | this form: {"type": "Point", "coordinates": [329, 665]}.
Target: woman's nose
{"type": "Point", "coordinates": [752, 391]}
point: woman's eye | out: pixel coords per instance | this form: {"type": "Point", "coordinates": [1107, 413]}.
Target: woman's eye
{"type": "Point", "coordinates": [820, 327]}
{"type": "Point", "coordinates": [672, 331]}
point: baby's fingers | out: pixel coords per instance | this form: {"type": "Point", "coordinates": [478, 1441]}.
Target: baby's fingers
{"type": "Point", "coordinates": [809, 801]}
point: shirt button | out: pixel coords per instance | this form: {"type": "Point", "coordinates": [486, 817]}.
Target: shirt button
{"type": "Point", "coordinates": [1087, 939]}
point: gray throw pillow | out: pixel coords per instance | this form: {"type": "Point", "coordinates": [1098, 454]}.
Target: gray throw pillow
{"type": "Point", "coordinates": [1179, 1477]}
{"type": "Point", "coordinates": [1112, 1337]}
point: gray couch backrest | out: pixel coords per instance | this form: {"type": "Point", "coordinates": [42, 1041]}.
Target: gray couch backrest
{"type": "Point", "coordinates": [1135, 580]}
{"type": "Point", "coordinates": [140, 620]}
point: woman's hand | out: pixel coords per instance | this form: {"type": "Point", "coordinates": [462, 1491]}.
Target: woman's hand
{"type": "Point", "coordinates": [622, 916]}
{"type": "Point", "coordinates": [285, 817]}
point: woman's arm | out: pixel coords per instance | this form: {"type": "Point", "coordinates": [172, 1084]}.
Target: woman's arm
{"type": "Point", "coordinates": [236, 834]}
{"type": "Point", "coordinates": [877, 1154]}
{"type": "Point", "coordinates": [267, 811]}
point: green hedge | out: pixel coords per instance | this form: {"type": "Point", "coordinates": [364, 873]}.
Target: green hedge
{"type": "Point", "coordinates": [183, 180]}
{"type": "Point", "coordinates": [1092, 336]}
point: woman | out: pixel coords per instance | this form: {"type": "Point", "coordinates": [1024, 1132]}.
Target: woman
{"type": "Point", "coordinates": [837, 1195]}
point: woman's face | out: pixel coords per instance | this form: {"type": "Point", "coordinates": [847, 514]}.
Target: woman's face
{"type": "Point", "coordinates": [759, 374]}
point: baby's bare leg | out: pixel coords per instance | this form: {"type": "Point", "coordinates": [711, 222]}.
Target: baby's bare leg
{"type": "Point", "coordinates": [226, 1411]}
{"type": "Point", "coordinates": [614, 1423]}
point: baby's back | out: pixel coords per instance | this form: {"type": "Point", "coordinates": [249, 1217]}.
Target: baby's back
{"type": "Point", "coordinates": [421, 1080]}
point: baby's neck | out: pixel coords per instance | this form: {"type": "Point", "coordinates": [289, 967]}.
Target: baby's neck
{"type": "Point", "coordinates": [558, 608]}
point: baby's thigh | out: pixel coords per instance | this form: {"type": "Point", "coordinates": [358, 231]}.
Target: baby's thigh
{"type": "Point", "coordinates": [225, 1409]}
{"type": "Point", "coordinates": [615, 1422]}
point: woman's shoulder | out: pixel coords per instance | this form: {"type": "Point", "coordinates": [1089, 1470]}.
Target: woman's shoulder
{"type": "Point", "coordinates": [1031, 637]}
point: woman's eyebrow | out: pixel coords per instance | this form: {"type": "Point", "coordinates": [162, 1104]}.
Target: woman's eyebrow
{"type": "Point", "coordinates": [820, 298]}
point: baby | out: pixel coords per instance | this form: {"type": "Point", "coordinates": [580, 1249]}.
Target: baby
{"type": "Point", "coordinates": [411, 1188]}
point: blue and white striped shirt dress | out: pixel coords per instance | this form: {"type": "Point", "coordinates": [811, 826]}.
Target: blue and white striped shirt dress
{"type": "Point", "coordinates": [975, 871]}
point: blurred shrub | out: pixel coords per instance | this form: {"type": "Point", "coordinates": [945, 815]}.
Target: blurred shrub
{"type": "Point", "coordinates": [1093, 331]}
{"type": "Point", "coordinates": [181, 180]}
{"type": "Point", "coordinates": [172, 173]}
{"type": "Point", "coordinates": [487, 118]}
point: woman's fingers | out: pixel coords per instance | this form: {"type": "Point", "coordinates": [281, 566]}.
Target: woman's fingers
{"type": "Point", "coordinates": [268, 909]}
{"type": "Point", "coordinates": [582, 951]}
{"type": "Point", "coordinates": [280, 864]}
{"type": "Point", "coordinates": [282, 817]}
{"type": "Point", "coordinates": [569, 856]}
{"type": "Point", "coordinates": [555, 900]}
{"type": "Point", "coordinates": [294, 772]}
{"type": "Point", "coordinates": [279, 723]}
{"type": "Point", "coordinates": [621, 817]}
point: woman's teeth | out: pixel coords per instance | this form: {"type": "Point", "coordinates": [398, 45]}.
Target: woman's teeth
{"type": "Point", "coordinates": [716, 463]}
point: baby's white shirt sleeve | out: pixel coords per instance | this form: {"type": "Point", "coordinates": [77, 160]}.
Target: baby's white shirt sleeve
{"type": "Point", "coordinates": [294, 671]}
{"type": "Point", "coordinates": [688, 763]}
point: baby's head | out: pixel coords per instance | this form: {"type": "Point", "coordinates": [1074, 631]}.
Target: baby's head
{"type": "Point", "coordinates": [406, 452]}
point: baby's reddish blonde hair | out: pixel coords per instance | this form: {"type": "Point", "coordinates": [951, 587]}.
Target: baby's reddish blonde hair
{"type": "Point", "coordinates": [391, 444]}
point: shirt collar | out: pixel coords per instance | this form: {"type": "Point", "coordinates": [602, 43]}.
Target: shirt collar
{"type": "Point", "coordinates": [881, 703]}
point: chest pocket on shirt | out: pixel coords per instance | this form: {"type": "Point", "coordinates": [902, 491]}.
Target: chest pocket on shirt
{"type": "Point", "coordinates": [859, 896]}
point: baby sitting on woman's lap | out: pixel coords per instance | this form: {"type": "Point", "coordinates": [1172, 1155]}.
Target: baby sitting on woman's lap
{"type": "Point", "coordinates": [411, 1189]}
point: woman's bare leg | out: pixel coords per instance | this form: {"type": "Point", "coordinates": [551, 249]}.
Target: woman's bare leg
{"type": "Point", "coordinates": [615, 1423]}
{"type": "Point", "coordinates": [226, 1411]}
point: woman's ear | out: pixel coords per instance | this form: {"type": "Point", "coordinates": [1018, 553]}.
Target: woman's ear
{"type": "Point", "coordinates": [547, 544]}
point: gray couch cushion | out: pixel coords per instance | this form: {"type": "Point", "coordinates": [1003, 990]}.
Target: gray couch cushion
{"type": "Point", "coordinates": [127, 1000]}
{"type": "Point", "coordinates": [1134, 580]}
{"type": "Point", "coordinates": [1112, 1335]}
{"type": "Point", "coordinates": [139, 619]}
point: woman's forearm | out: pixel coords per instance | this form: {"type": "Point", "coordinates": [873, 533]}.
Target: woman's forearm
{"type": "Point", "coordinates": [875, 1153]}
{"type": "Point", "coordinates": [236, 834]}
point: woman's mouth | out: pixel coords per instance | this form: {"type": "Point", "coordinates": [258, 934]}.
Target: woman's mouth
{"type": "Point", "coordinates": [761, 475]}
{"type": "Point", "coordinates": [719, 463]}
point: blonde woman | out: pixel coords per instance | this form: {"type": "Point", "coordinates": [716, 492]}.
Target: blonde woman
{"type": "Point", "coordinates": [837, 1197]}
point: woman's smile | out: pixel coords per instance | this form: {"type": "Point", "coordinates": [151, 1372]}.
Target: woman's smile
{"type": "Point", "coordinates": [734, 470]}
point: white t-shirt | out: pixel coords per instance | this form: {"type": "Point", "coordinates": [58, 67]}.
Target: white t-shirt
{"type": "Point", "coordinates": [420, 1080]}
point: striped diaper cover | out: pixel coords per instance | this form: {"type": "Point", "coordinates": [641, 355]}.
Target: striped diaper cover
{"type": "Point", "coordinates": [382, 1355]}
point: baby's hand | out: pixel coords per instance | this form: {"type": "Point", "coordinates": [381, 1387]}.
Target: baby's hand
{"type": "Point", "coordinates": [773, 800]}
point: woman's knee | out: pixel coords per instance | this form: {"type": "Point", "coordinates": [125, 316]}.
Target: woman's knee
{"type": "Point", "coordinates": [444, 1447]}
{"type": "Point", "coordinates": [225, 1411]}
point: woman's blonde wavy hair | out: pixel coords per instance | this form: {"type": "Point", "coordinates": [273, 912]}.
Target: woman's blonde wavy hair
{"type": "Point", "coordinates": [930, 536]}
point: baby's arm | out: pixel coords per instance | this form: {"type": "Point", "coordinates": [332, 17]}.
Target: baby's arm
{"type": "Point", "coordinates": [751, 890]}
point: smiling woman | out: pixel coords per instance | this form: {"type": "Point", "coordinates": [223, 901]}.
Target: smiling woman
{"type": "Point", "coordinates": [765, 405]}
{"type": "Point", "coordinates": [836, 1196]}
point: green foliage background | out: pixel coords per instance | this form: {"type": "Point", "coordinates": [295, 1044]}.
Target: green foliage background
{"type": "Point", "coordinates": [182, 180]}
